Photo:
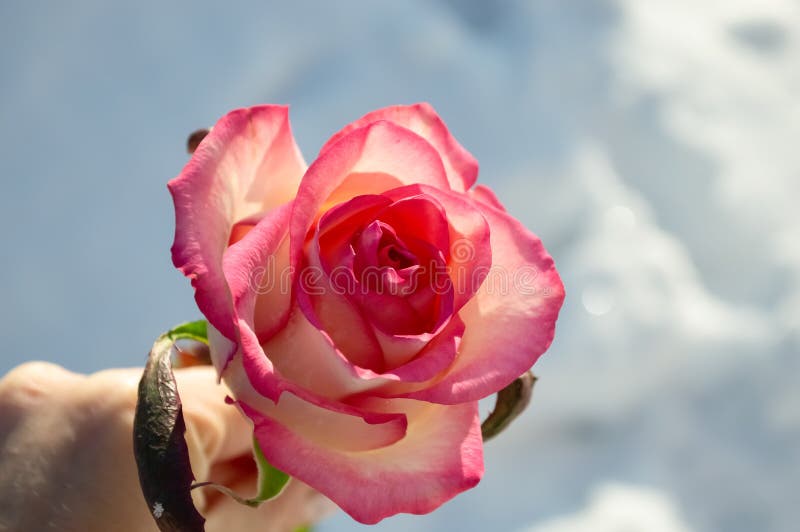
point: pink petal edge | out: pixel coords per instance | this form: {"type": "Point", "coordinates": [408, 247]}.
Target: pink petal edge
{"type": "Point", "coordinates": [506, 330]}
{"type": "Point", "coordinates": [445, 442]}
{"type": "Point", "coordinates": [422, 119]}
{"type": "Point", "coordinates": [254, 149]}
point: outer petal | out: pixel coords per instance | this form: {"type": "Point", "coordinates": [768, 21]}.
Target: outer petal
{"type": "Point", "coordinates": [440, 456]}
{"type": "Point", "coordinates": [331, 424]}
{"type": "Point", "coordinates": [421, 118]}
{"type": "Point", "coordinates": [247, 164]}
{"type": "Point", "coordinates": [486, 196]}
{"type": "Point", "coordinates": [509, 323]}
{"type": "Point", "coordinates": [253, 379]}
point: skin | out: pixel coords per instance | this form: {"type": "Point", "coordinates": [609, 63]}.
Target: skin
{"type": "Point", "coordinates": [66, 455]}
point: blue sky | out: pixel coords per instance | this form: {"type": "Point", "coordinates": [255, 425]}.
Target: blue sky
{"type": "Point", "coordinates": [651, 145]}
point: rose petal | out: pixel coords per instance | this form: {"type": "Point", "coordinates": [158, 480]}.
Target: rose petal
{"type": "Point", "coordinates": [421, 118]}
{"type": "Point", "coordinates": [330, 424]}
{"type": "Point", "coordinates": [304, 355]}
{"type": "Point", "coordinates": [418, 216]}
{"type": "Point", "coordinates": [255, 268]}
{"type": "Point", "coordinates": [422, 222]}
{"type": "Point", "coordinates": [509, 323]}
{"type": "Point", "coordinates": [382, 154]}
{"type": "Point", "coordinates": [337, 227]}
{"type": "Point", "coordinates": [273, 293]}
{"type": "Point", "coordinates": [440, 456]}
{"type": "Point", "coordinates": [253, 378]}
{"type": "Point", "coordinates": [220, 349]}
{"type": "Point", "coordinates": [470, 253]}
{"type": "Point", "coordinates": [399, 349]}
{"type": "Point", "coordinates": [344, 323]}
{"type": "Point", "coordinates": [486, 196]}
{"type": "Point", "coordinates": [434, 353]}
{"type": "Point", "coordinates": [326, 282]}
{"type": "Point", "coordinates": [247, 164]}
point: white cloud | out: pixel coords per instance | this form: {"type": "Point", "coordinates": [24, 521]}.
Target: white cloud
{"type": "Point", "coordinates": [620, 508]}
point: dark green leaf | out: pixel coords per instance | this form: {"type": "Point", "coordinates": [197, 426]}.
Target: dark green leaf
{"type": "Point", "coordinates": [159, 447]}
{"type": "Point", "coordinates": [160, 450]}
{"type": "Point", "coordinates": [511, 402]}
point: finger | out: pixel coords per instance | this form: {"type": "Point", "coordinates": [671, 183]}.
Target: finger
{"type": "Point", "coordinates": [32, 383]}
{"type": "Point", "coordinates": [215, 431]}
{"type": "Point", "coordinates": [219, 439]}
{"type": "Point", "coordinates": [218, 430]}
{"type": "Point", "coordinates": [28, 391]}
{"type": "Point", "coordinates": [69, 464]}
{"type": "Point", "coordinates": [222, 432]}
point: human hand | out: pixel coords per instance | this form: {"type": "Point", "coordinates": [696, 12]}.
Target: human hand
{"type": "Point", "coordinates": [66, 455]}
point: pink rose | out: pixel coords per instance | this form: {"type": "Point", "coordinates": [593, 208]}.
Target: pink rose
{"type": "Point", "coordinates": [361, 306]}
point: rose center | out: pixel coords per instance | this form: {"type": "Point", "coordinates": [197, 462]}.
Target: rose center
{"type": "Point", "coordinates": [382, 261]}
{"type": "Point", "coordinates": [388, 260]}
{"type": "Point", "coordinates": [397, 257]}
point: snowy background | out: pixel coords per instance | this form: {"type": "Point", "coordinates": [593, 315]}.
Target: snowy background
{"type": "Point", "coordinates": [653, 145]}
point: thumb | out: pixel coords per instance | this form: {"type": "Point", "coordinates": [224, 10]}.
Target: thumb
{"type": "Point", "coordinates": [217, 431]}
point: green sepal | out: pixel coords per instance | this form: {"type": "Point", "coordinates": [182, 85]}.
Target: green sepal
{"type": "Point", "coordinates": [191, 330]}
{"type": "Point", "coordinates": [271, 481]}
{"type": "Point", "coordinates": [510, 403]}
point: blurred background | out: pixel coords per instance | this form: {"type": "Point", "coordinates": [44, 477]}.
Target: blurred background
{"type": "Point", "coordinates": [653, 145]}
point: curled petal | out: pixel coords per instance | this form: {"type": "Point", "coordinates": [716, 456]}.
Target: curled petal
{"type": "Point", "coordinates": [273, 294]}
{"type": "Point", "coordinates": [331, 246]}
{"type": "Point", "coordinates": [332, 425]}
{"type": "Point", "coordinates": [327, 281]}
{"type": "Point", "coordinates": [254, 266]}
{"type": "Point", "coordinates": [421, 118]}
{"type": "Point", "coordinates": [343, 322]}
{"type": "Point", "coordinates": [434, 354]}
{"type": "Point", "coordinates": [253, 379]}
{"type": "Point", "coordinates": [304, 356]}
{"type": "Point", "coordinates": [440, 456]}
{"type": "Point", "coordinates": [486, 195]}
{"type": "Point", "coordinates": [221, 349]}
{"type": "Point", "coordinates": [419, 216]}
{"type": "Point", "coordinates": [248, 163]}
